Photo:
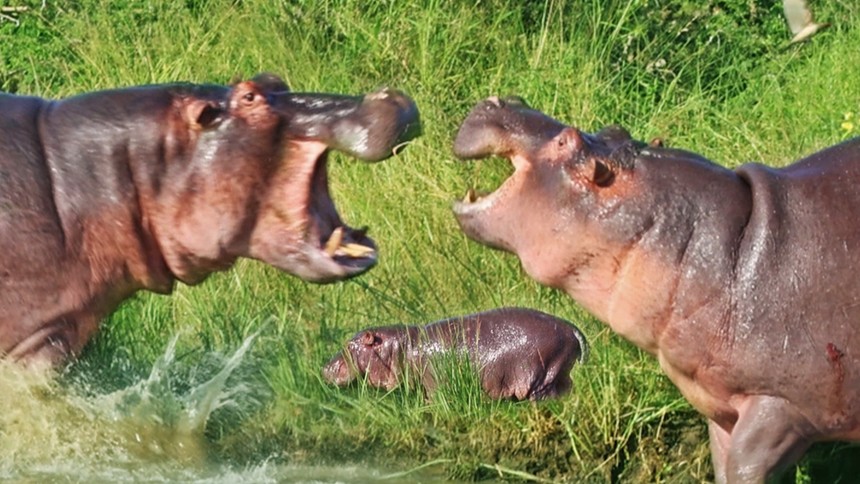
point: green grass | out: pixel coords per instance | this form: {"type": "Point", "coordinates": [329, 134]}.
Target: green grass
{"type": "Point", "coordinates": [709, 76]}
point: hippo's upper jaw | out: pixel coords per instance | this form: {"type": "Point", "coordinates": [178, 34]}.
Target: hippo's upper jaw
{"type": "Point", "coordinates": [264, 151]}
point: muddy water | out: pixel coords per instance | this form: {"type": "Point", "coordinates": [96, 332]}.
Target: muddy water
{"type": "Point", "coordinates": [144, 432]}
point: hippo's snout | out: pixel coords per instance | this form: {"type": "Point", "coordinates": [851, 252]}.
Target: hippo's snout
{"type": "Point", "coordinates": [371, 127]}
{"type": "Point", "coordinates": [381, 125]}
{"type": "Point", "coordinates": [504, 127]}
{"type": "Point", "coordinates": [337, 371]}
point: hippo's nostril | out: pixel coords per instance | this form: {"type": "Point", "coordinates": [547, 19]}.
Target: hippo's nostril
{"type": "Point", "coordinates": [515, 100]}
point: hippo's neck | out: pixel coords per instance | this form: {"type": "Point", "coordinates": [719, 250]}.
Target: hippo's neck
{"type": "Point", "coordinates": [93, 146]}
{"type": "Point", "coordinates": [676, 274]}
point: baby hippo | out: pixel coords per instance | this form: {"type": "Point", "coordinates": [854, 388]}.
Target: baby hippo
{"type": "Point", "coordinates": [519, 353]}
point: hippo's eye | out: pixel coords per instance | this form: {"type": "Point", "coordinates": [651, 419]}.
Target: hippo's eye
{"type": "Point", "coordinates": [249, 97]}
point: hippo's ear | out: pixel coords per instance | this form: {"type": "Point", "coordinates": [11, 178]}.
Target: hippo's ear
{"type": "Point", "coordinates": [570, 139]}
{"type": "Point", "coordinates": [202, 114]}
{"type": "Point", "coordinates": [516, 101]}
{"type": "Point", "coordinates": [367, 338]}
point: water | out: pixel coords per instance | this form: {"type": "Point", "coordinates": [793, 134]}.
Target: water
{"type": "Point", "coordinates": [149, 431]}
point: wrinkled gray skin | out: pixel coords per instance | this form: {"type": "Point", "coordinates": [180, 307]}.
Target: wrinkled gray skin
{"type": "Point", "coordinates": [110, 192]}
{"type": "Point", "coordinates": [742, 283]}
{"type": "Point", "coordinates": [519, 353]}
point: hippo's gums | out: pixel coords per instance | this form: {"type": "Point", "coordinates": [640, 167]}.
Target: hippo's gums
{"type": "Point", "coordinates": [518, 353]}
{"type": "Point", "coordinates": [744, 284]}
{"type": "Point", "coordinates": [110, 192]}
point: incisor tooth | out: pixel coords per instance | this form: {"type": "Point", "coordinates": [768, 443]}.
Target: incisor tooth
{"type": "Point", "coordinates": [355, 250]}
{"type": "Point", "coordinates": [470, 196]}
{"type": "Point", "coordinates": [334, 241]}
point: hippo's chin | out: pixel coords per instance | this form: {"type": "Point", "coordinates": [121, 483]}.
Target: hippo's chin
{"type": "Point", "coordinates": [317, 265]}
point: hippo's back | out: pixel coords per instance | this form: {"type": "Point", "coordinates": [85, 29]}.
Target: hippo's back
{"type": "Point", "coordinates": [24, 178]}
{"type": "Point", "coordinates": [519, 353]}
{"type": "Point", "coordinates": [510, 328]}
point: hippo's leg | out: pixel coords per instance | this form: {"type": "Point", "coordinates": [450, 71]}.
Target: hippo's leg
{"type": "Point", "coordinates": [770, 435]}
{"type": "Point", "coordinates": [427, 375]}
{"type": "Point", "coordinates": [720, 441]}
{"type": "Point", "coordinates": [48, 346]}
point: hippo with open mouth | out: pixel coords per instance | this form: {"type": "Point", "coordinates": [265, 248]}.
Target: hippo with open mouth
{"type": "Point", "coordinates": [110, 192]}
{"type": "Point", "coordinates": [742, 283]}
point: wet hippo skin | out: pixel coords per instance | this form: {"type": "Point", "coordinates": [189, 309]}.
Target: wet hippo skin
{"type": "Point", "coordinates": [744, 284]}
{"type": "Point", "coordinates": [106, 193]}
{"type": "Point", "coordinates": [518, 353]}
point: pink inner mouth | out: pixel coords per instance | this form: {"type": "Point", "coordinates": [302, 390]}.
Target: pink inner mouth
{"type": "Point", "coordinates": [312, 217]}
{"type": "Point", "coordinates": [477, 201]}
{"type": "Point", "coordinates": [344, 244]}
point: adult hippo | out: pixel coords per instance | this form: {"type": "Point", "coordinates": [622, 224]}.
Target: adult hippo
{"type": "Point", "coordinates": [742, 283]}
{"type": "Point", "coordinates": [106, 193]}
{"type": "Point", "coordinates": [518, 353]}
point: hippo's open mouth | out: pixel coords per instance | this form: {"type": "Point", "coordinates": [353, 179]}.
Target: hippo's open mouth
{"type": "Point", "coordinates": [330, 249]}
{"type": "Point", "coordinates": [307, 236]}
{"type": "Point", "coordinates": [509, 128]}
{"type": "Point", "coordinates": [476, 201]}
{"type": "Point", "coordinates": [492, 128]}
{"type": "Point", "coordinates": [350, 248]}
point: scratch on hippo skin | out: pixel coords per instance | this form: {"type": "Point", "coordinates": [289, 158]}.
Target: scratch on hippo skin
{"type": "Point", "coordinates": [835, 355]}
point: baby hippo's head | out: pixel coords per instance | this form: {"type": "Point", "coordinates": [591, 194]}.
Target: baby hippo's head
{"type": "Point", "coordinates": [374, 354]}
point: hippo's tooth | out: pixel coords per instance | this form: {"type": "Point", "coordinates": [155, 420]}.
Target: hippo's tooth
{"type": "Point", "coordinates": [471, 196]}
{"type": "Point", "coordinates": [354, 250]}
{"type": "Point", "coordinates": [335, 246]}
{"type": "Point", "coordinates": [334, 241]}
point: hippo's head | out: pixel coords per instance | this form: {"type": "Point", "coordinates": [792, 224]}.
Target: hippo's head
{"type": "Point", "coordinates": [375, 354]}
{"type": "Point", "coordinates": [248, 177]}
{"type": "Point", "coordinates": [565, 185]}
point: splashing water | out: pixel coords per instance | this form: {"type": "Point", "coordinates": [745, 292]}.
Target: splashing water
{"type": "Point", "coordinates": [144, 432]}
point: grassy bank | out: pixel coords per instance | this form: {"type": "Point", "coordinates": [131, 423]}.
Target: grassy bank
{"type": "Point", "coordinates": [711, 76]}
